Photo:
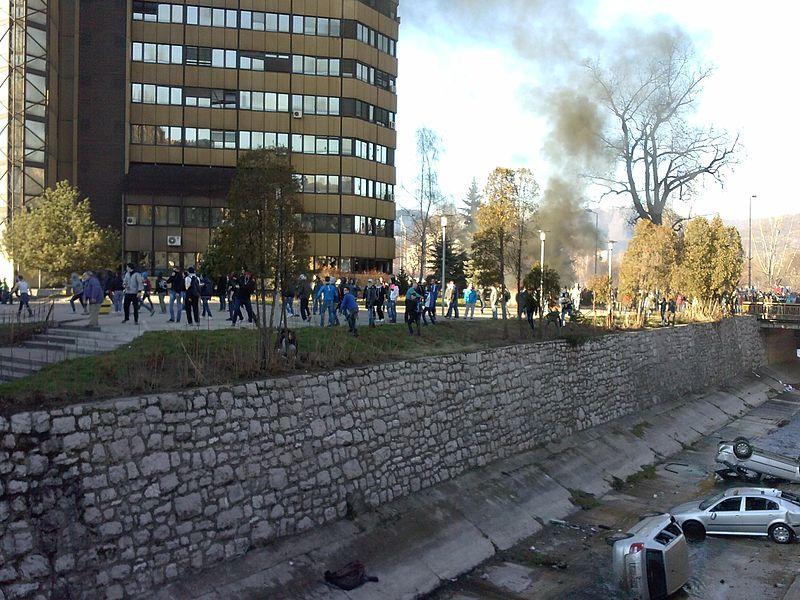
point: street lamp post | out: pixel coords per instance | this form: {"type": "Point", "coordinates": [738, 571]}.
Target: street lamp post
{"type": "Point", "coordinates": [596, 236]}
{"type": "Point", "coordinates": [610, 283]}
{"type": "Point", "coordinates": [444, 263]}
{"type": "Point", "coordinates": [542, 237]}
{"type": "Point", "coordinates": [750, 247]}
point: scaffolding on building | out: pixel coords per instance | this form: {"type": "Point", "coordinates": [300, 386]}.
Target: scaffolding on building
{"type": "Point", "coordinates": [24, 74]}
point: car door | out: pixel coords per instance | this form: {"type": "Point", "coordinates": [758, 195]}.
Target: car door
{"type": "Point", "coordinates": [725, 516]}
{"type": "Point", "coordinates": [759, 512]}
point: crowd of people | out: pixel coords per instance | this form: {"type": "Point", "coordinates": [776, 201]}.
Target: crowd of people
{"type": "Point", "coordinates": [187, 291]}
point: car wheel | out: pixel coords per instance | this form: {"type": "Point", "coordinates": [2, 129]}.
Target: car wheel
{"type": "Point", "coordinates": [781, 534]}
{"type": "Point", "coordinates": [742, 448]}
{"type": "Point", "coordinates": [694, 531]}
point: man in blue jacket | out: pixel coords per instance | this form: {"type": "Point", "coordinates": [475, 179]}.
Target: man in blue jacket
{"type": "Point", "coordinates": [92, 296]}
{"type": "Point", "coordinates": [349, 308]}
{"type": "Point", "coordinates": [329, 296]}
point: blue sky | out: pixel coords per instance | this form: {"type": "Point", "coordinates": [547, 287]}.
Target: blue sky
{"type": "Point", "coordinates": [475, 90]}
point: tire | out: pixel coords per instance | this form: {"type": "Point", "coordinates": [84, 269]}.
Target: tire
{"type": "Point", "coordinates": [742, 448]}
{"type": "Point", "coordinates": [694, 531]}
{"type": "Point", "coordinates": [781, 534]}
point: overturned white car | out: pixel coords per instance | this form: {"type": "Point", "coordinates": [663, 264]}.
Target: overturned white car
{"type": "Point", "coordinates": [744, 460]}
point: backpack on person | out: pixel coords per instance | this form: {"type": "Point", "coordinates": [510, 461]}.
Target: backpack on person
{"type": "Point", "coordinates": [194, 287]}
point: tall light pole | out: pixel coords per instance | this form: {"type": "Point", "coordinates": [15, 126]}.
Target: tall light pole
{"type": "Point", "coordinates": [596, 236]}
{"type": "Point", "coordinates": [750, 247]}
{"type": "Point", "coordinates": [542, 237]}
{"type": "Point", "coordinates": [610, 283]}
{"type": "Point", "coordinates": [444, 263]}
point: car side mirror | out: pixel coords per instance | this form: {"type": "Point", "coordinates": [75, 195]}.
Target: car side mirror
{"type": "Point", "coordinates": [713, 515]}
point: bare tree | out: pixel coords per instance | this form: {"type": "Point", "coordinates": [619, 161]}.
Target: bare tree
{"type": "Point", "coordinates": [427, 194]}
{"type": "Point", "coordinates": [775, 252]}
{"type": "Point", "coordinates": [651, 137]}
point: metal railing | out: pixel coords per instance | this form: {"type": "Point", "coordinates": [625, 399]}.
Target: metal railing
{"type": "Point", "coordinates": [773, 311]}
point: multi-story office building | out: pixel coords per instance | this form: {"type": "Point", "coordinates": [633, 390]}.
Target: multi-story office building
{"type": "Point", "coordinates": [146, 105]}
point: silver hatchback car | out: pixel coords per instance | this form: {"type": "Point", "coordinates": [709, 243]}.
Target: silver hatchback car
{"type": "Point", "coordinates": [742, 511]}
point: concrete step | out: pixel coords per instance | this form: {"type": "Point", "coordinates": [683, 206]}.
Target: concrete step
{"type": "Point", "coordinates": [87, 333]}
{"type": "Point", "coordinates": [57, 348]}
{"type": "Point", "coordinates": [7, 360]}
{"type": "Point", "coordinates": [55, 339]}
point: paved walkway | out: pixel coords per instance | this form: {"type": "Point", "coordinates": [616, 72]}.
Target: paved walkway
{"type": "Point", "coordinates": [158, 321]}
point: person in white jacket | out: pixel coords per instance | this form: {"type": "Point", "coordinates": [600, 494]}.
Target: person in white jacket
{"type": "Point", "coordinates": [132, 286]}
{"type": "Point", "coordinates": [391, 304]}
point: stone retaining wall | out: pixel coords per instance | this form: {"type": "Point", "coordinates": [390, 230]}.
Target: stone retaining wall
{"type": "Point", "coordinates": [111, 500]}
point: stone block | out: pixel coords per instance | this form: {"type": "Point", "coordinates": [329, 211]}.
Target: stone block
{"type": "Point", "coordinates": [63, 425]}
{"type": "Point", "coordinates": [188, 506]}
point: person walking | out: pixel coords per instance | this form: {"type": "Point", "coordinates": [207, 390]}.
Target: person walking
{"type": "Point", "coordinates": [193, 294]}
{"type": "Point", "coordinates": [76, 283]}
{"type": "Point", "coordinates": [663, 307]}
{"type": "Point", "coordinates": [328, 296]}
{"type": "Point", "coordinates": [132, 286]}
{"type": "Point", "coordinates": [391, 303]}
{"type": "Point", "coordinates": [412, 310]}
{"type": "Point", "coordinates": [177, 294]}
{"type": "Point", "coordinates": [316, 302]}
{"type": "Point", "coordinates": [116, 291]}
{"type": "Point", "coordinates": [451, 299]}
{"type": "Point", "coordinates": [222, 291]}
{"type": "Point", "coordinates": [161, 292]}
{"type": "Point", "coordinates": [93, 296]}
{"type": "Point", "coordinates": [672, 308]}
{"type": "Point", "coordinates": [245, 288]}
{"type": "Point", "coordinates": [371, 301]}
{"type": "Point", "coordinates": [349, 308]}
{"type": "Point", "coordinates": [288, 300]}
{"type": "Point", "coordinates": [303, 293]}
{"type": "Point", "coordinates": [206, 291]}
{"type": "Point", "coordinates": [23, 292]}
{"type": "Point", "coordinates": [493, 296]}
{"type": "Point", "coordinates": [470, 299]}
{"type": "Point", "coordinates": [148, 287]}
{"type": "Point", "coordinates": [431, 299]}
{"type": "Point", "coordinates": [522, 300]}
{"type": "Point", "coordinates": [381, 287]}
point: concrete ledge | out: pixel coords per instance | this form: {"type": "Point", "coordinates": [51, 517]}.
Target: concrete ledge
{"type": "Point", "coordinates": [414, 544]}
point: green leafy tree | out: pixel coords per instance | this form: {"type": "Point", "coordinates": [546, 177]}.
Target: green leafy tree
{"type": "Point", "coordinates": [533, 283]}
{"type": "Point", "coordinates": [482, 266]}
{"type": "Point", "coordinates": [56, 234]}
{"type": "Point", "coordinates": [455, 261]}
{"type": "Point", "coordinates": [262, 231]}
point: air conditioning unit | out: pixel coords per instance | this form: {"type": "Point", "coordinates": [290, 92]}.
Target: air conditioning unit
{"type": "Point", "coordinates": [173, 240]}
{"type": "Point", "coordinates": [297, 114]}
{"type": "Point", "coordinates": [130, 220]}
{"type": "Point", "coordinates": [392, 125]}
{"type": "Point", "coordinates": [393, 88]}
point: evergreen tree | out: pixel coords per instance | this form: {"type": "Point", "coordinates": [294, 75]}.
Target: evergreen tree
{"type": "Point", "coordinates": [58, 235]}
{"type": "Point", "coordinates": [469, 212]}
{"type": "Point", "coordinates": [455, 262]}
{"type": "Point", "coordinates": [711, 261]}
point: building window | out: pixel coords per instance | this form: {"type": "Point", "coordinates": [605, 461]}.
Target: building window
{"type": "Point", "coordinates": [168, 216]}
{"type": "Point", "coordinates": [194, 216]}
